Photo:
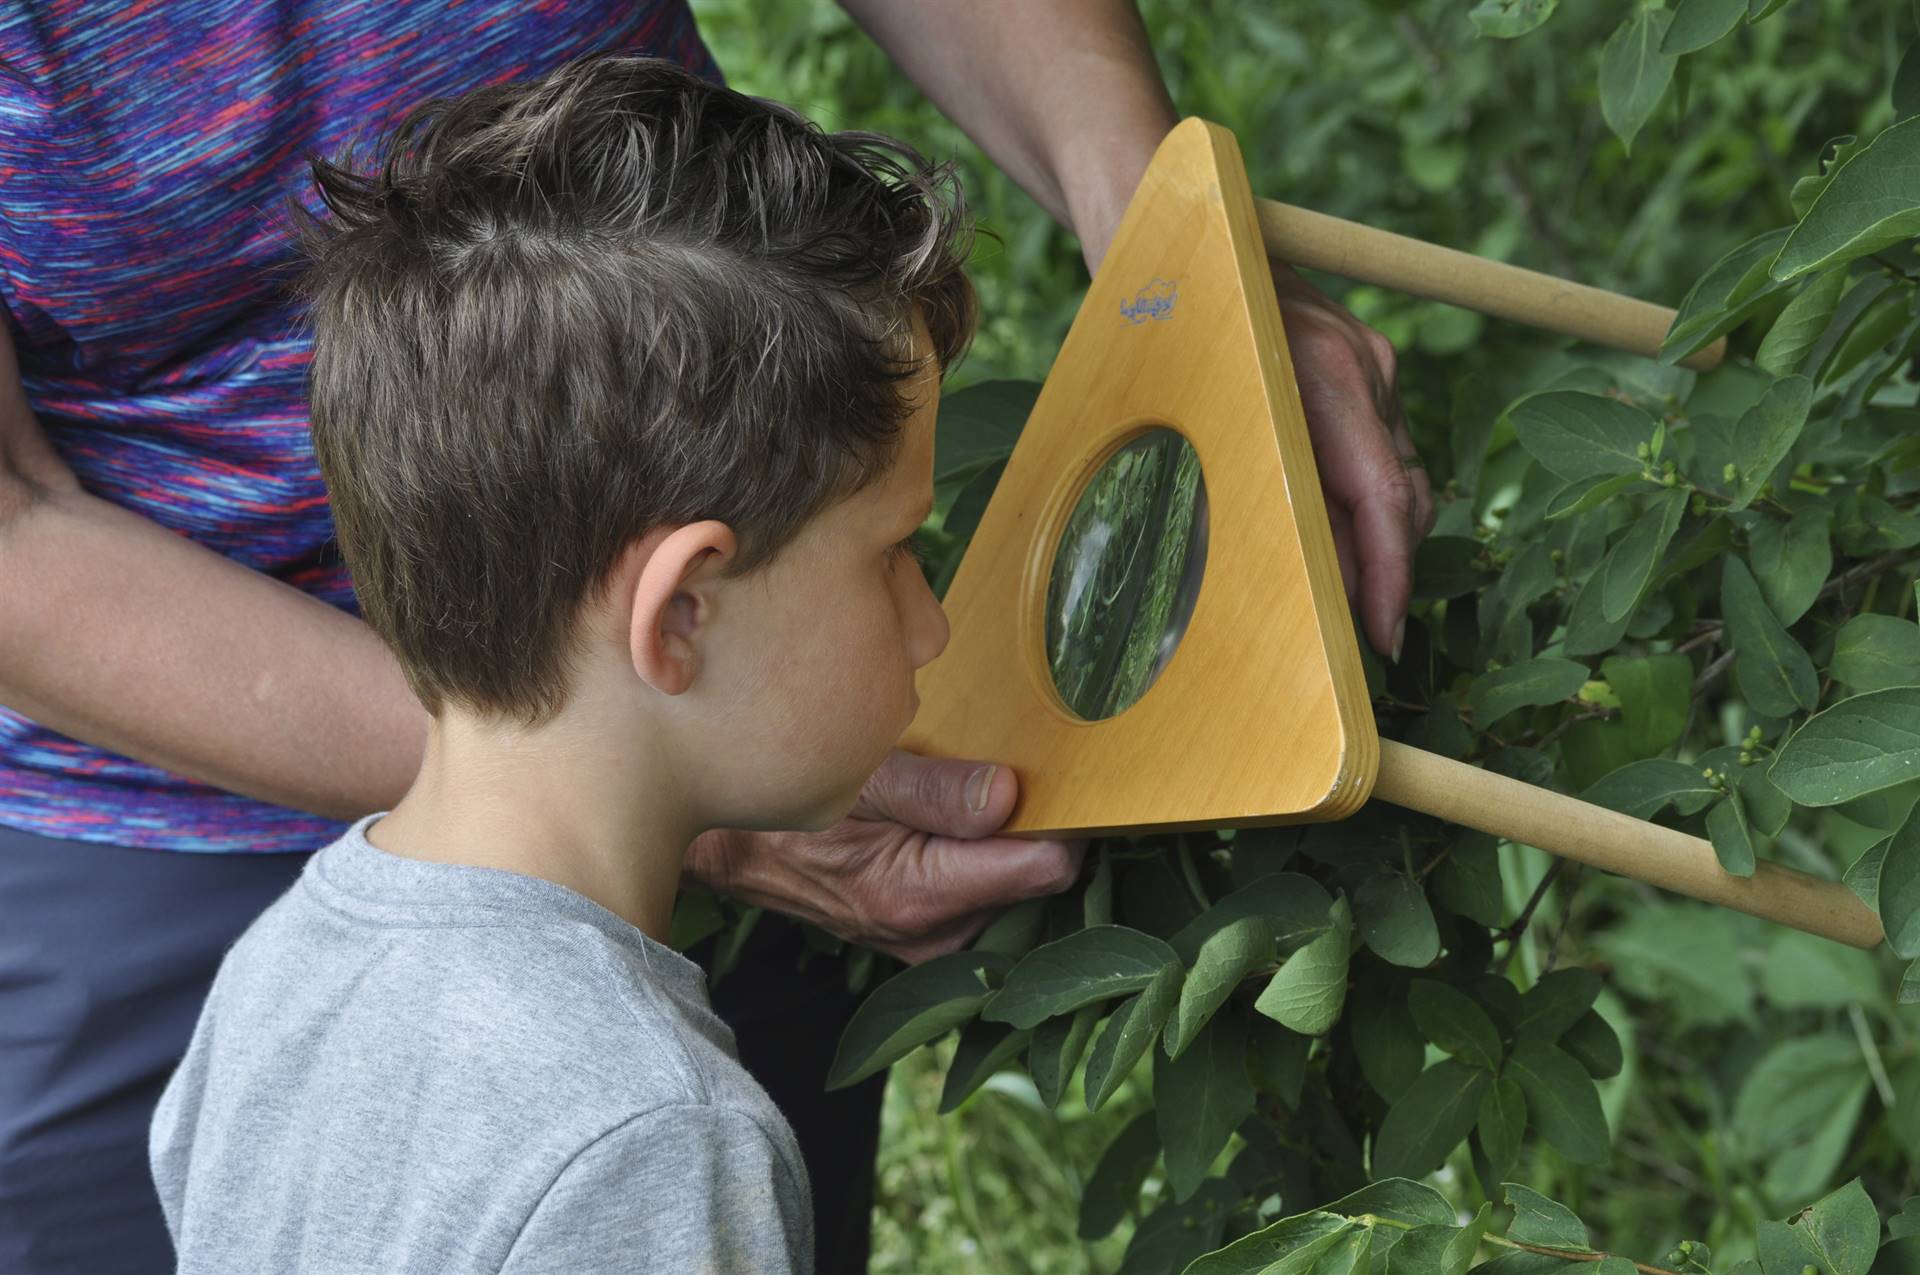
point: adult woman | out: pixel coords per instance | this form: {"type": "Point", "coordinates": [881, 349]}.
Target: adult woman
{"type": "Point", "coordinates": [191, 704]}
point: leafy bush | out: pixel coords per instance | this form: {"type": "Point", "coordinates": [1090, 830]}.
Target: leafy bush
{"type": "Point", "coordinates": [1687, 597]}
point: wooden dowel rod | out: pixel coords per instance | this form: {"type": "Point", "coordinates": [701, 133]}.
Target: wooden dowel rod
{"type": "Point", "coordinates": [1604, 838]}
{"type": "Point", "coordinates": [1302, 237]}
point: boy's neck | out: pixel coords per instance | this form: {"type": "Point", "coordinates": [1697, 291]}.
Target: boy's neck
{"type": "Point", "coordinates": [567, 803]}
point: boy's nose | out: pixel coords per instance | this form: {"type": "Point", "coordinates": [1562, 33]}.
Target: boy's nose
{"type": "Point", "coordinates": [931, 629]}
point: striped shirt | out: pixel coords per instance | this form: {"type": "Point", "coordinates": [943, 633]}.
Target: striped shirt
{"type": "Point", "coordinates": [144, 151]}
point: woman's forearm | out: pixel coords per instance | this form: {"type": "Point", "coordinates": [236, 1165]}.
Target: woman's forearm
{"type": "Point", "coordinates": [119, 633]}
{"type": "Point", "coordinates": [1063, 95]}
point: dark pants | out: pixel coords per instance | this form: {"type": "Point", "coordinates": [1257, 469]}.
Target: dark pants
{"type": "Point", "coordinates": [105, 956]}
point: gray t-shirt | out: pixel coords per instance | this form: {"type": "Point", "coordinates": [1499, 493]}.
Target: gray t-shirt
{"type": "Point", "coordinates": [409, 1067]}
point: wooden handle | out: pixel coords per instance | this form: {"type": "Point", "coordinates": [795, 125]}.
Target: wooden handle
{"type": "Point", "coordinates": [1604, 838]}
{"type": "Point", "coordinates": [1302, 237]}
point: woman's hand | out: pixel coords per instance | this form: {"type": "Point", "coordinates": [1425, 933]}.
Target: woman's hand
{"type": "Point", "coordinates": [914, 871]}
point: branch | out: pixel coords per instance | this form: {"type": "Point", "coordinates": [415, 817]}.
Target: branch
{"type": "Point", "coordinates": [1515, 930]}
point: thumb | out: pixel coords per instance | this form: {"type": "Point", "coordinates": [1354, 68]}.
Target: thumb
{"type": "Point", "coordinates": [939, 795]}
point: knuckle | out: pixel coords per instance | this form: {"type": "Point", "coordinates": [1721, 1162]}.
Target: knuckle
{"type": "Point", "coordinates": [1382, 351]}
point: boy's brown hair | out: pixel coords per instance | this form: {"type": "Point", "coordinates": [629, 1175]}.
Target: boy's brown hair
{"type": "Point", "coordinates": [565, 311]}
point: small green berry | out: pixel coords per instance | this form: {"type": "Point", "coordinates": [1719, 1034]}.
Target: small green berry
{"type": "Point", "coordinates": [1729, 472]}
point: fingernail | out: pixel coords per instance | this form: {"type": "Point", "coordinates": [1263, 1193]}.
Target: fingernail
{"type": "Point", "coordinates": [978, 786]}
{"type": "Point", "coordinates": [1399, 636]}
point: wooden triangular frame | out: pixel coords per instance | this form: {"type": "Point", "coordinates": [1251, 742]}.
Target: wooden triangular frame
{"type": "Point", "coordinates": [1261, 715]}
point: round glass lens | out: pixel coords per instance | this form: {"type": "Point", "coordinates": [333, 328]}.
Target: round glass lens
{"type": "Point", "coordinates": [1126, 574]}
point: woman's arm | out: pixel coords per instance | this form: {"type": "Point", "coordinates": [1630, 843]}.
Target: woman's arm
{"type": "Point", "coordinates": [1065, 96]}
{"type": "Point", "coordinates": [116, 631]}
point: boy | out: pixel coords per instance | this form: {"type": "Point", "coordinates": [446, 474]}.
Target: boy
{"type": "Point", "coordinates": [623, 388]}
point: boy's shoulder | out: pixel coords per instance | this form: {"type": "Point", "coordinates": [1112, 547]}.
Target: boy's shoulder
{"type": "Point", "coordinates": [505, 973]}
{"type": "Point", "coordinates": [494, 1046]}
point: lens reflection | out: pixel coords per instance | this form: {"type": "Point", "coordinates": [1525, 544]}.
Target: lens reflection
{"type": "Point", "coordinates": [1126, 574]}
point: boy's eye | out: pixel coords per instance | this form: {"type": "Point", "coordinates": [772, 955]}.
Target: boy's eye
{"type": "Point", "coordinates": [908, 548]}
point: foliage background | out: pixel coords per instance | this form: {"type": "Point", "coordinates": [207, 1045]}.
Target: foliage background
{"type": "Point", "coordinates": [1404, 116]}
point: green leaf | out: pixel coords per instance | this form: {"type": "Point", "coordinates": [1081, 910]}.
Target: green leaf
{"type": "Point", "coordinates": [1386, 1041]}
{"type": "Point", "coordinates": [1200, 1097]}
{"type": "Point", "coordinates": [1291, 1246]}
{"type": "Point", "coordinates": [1129, 1032]}
{"type": "Point", "coordinates": [1634, 72]}
{"type": "Point", "coordinates": [1758, 9]}
{"type": "Point", "coordinates": [1588, 632]}
{"type": "Point", "coordinates": [1860, 745]}
{"type": "Point", "coordinates": [1555, 1003]}
{"type": "Point", "coordinates": [1593, 1044]}
{"type": "Point", "coordinates": [1086, 966]}
{"type": "Point", "coordinates": [1873, 652]}
{"type": "Point", "coordinates": [1505, 19]}
{"type": "Point", "coordinates": [1096, 902]}
{"type": "Point", "coordinates": [1429, 1120]}
{"type": "Point", "coordinates": [1501, 1122]}
{"type": "Point", "coordinates": [1295, 908]}
{"type": "Point", "coordinates": [1588, 494]}
{"type": "Point", "coordinates": [1174, 1233]}
{"type": "Point", "coordinates": [1309, 990]}
{"type": "Point", "coordinates": [1869, 204]}
{"type": "Point", "coordinates": [1528, 577]}
{"type": "Point", "coordinates": [1447, 567]}
{"type": "Point", "coordinates": [1055, 1051]}
{"type": "Point", "coordinates": [1468, 880]}
{"type": "Point", "coordinates": [1906, 83]}
{"type": "Point", "coordinates": [1863, 874]}
{"type": "Point", "coordinates": [1842, 1231]}
{"type": "Point", "coordinates": [1898, 889]}
{"type": "Point", "coordinates": [1561, 1096]}
{"type": "Point", "coordinates": [1524, 685]}
{"type": "Point", "coordinates": [1653, 691]}
{"type": "Point", "coordinates": [1794, 1089]}
{"type": "Point", "coordinates": [1398, 1200]}
{"type": "Point", "coordinates": [1687, 958]}
{"type": "Point", "coordinates": [1732, 841]}
{"type": "Point", "coordinates": [1229, 955]}
{"type": "Point", "coordinates": [1577, 435]}
{"type": "Point", "coordinates": [1803, 971]}
{"type": "Point", "coordinates": [1773, 672]}
{"type": "Point", "coordinates": [1698, 23]}
{"type": "Point", "coordinates": [1395, 920]}
{"type": "Point", "coordinates": [1766, 433]}
{"type": "Point", "coordinates": [1439, 1249]}
{"type": "Point", "coordinates": [1791, 561]}
{"type": "Point", "coordinates": [1644, 788]}
{"type": "Point", "coordinates": [1630, 564]}
{"type": "Point", "coordinates": [979, 425]}
{"type": "Point", "coordinates": [1768, 809]}
{"type": "Point", "coordinates": [1114, 1189]}
{"type": "Point", "coordinates": [1014, 932]}
{"type": "Point", "coordinates": [1801, 324]}
{"type": "Point", "coordinates": [984, 1048]}
{"type": "Point", "coordinates": [910, 1009]}
{"type": "Point", "coordinates": [1733, 288]}
{"type": "Point", "coordinates": [1277, 1059]}
{"type": "Point", "coordinates": [1538, 1220]}
{"type": "Point", "coordinates": [1455, 1022]}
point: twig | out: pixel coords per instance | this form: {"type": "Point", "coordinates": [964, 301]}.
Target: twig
{"type": "Point", "coordinates": [1712, 671]}
{"type": "Point", "coordinates": [1519, 926]}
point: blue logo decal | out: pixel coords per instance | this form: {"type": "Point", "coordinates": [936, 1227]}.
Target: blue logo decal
{"type": "Point", "coordinates": [1155, 301]}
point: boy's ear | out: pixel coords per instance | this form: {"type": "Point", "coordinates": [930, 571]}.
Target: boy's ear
{"type": "Point", "coordinates": [672, 602]}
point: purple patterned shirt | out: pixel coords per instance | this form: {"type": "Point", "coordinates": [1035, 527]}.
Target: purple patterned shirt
{"type": "Point", "coordinates": [144, 149]}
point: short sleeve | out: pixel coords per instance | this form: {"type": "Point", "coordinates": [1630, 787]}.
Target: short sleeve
{"type": "Point", "coordinates": [686, 1188]}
